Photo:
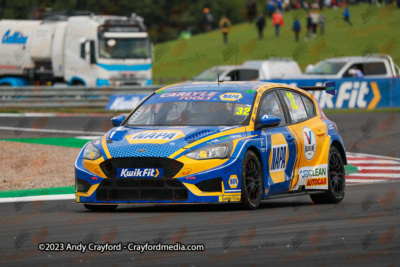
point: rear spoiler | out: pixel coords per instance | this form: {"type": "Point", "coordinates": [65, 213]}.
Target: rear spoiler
{"type": "Point", "coordinates": [329, 88]}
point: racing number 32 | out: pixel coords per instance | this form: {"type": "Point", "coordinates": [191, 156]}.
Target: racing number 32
{"type": "Point", "coordinates": [242, 111]}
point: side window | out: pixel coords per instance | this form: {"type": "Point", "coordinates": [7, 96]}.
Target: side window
{"type": "Point", "coordinates": [374, 68]}
{"type": "Point", "coordinates": [295, 106]}
{"type": "Point", "coordinates": [247, 75]}
{"type": "Point", "coordinates": [271, 106]}
{"type": "Point", "coordinates": [355, 70]}
{"type": "Point", "coordinates": [83, 50]}
{"type": "Point", "coordinates": [309, 105]}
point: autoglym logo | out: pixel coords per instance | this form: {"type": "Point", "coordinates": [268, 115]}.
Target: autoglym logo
{"type": "Point", "coordinates": [278, 158]}
{"type": "Point", "coordinates": [155, 136]}
{"type": "Point", "coordinates": [230, 96]}
{"type": "Point", "coordinates": [310, 143]}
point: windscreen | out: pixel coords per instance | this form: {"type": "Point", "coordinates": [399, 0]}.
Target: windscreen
{"type": "Point", "coordinates": [194, 109]}
{"type": "Point", "coordinates": [326, 67]}
{"type": "Point", "coordinates": [122, 48]}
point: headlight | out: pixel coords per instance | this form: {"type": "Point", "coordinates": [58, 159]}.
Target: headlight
{"type": "Point", "coordinates": [218, 151]}
{"type": "Point", "coordinates": [91, 152]}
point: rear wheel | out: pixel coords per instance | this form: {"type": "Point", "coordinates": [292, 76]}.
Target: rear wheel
{"type": "Point", "coordinates": [101, 208]}
{"type": "Point", "coordinates": [336, 180]}
{"type": "Point", "coordinates": [252, 181]}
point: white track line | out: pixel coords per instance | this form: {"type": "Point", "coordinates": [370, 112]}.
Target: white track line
{"type": "Point", "coordinates": [381, 175]}
{"type": "Point", "coordinates": [363, 181]}
{"type": "Point", "coordinates": [350, 154]}
{"type": "Point", "coordinates": [378, 168]}
{"type": "Point", "coordinates": [37, 198]}
{"type": "Point", "coordinates": [380, 161]}
{"type": "Point", "coordinates": [48, 130]}
{"type": "Point", "coordinates": [28, 115]}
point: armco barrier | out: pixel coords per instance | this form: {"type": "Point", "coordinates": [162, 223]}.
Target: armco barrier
{"type": "Point", "coordinates": [73, 96]}
{"type": "Point", "coordinates": [351, 93]}
{"type": "Point", "coordinates": [366, 93]}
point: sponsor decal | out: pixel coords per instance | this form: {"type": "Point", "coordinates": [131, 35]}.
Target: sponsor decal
{"type": "Point", "coordinates": [141, 150]}
{"type": "Point", "coordinates": [278, 158]}
{"type": "Point", "coordinates": [190, 95]}
{"type": "Point", "coordinates": [292, 100]}
{"type": "Point", "coordinates": [155, 136]}
{"type": "Point", "coordinates": [191, 178]}
{"type": "Point", "coordinates": [186, 171]}
{"type": "Point", "coordinates": [233, 181]}
{"type": "Point", "coordinates": [139, 172]}
{"type": "Point", "coordinates": [124, 102]}
{"type": "Point", "coordinates": [16, 38]}
{"type": "Point", "coordinates": [230, 96]}
{"type": "Point", "coordinates": [310, 143]}
{"type": "Point", "coordinates": [317, 182]}
{"type": "Point", "coordinates": [319, 171]}
{"type": "Point", "coordinates": [228, 198]}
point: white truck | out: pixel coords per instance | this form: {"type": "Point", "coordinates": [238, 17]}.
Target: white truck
{"type": "Point", "coordinates": [274, 68]}
{"type": "Point", "coordinates": [368, 66]}
{"type": "Point", "coordinates": [79, 50]}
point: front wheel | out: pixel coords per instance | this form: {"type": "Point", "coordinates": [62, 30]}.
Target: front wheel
{"type": "Point", "coordinates": [101, 208]}
{"type": "Point", "coordinates": [336, 180]}
{"type": "Point", "coordinates": [252, 181]}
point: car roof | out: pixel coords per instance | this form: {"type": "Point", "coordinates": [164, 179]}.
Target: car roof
{"type": "Point", "coordinates": [229, 87]}
{"type": "Point", "coordinates": [353, 59]}
{"type": "Point", "coordinates": [212, 86]}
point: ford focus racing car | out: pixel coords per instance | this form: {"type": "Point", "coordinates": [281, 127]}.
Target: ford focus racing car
{"type": "Point", "coordinates": [215, 142]}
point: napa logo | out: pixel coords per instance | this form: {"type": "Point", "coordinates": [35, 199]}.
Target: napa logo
{"type": "Point", "coordinates": [230, 96]}
{"type": "Point", "coordinates": [278, 158]}
{"type": "Point", "coordinates": [155, 136]}
{"type": "Point", "coordinates": [310, 144]}
{"type": "Point", "coordinates": [233, 181]}
{"type": "Point", "coordinates": [15, 38]}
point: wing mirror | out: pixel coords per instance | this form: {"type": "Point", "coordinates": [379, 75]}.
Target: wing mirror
{"type": "Point", "coordinates": [116, 121]}
{"type": "Point", "coordinates": [269, 121]}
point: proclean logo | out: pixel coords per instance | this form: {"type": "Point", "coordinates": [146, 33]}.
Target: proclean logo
{"type": "Point", "coordinates": [230, 96]}
{"type": "Point", "coordinates": [16, 38]}
{"type": "Point", "coordinates": [155, 136]}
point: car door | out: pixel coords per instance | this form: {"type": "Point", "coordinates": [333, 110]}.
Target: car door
{"type": "Point", "coordinates": [280, 146]}
{"type": "Point", "coordinates": [313, 141]}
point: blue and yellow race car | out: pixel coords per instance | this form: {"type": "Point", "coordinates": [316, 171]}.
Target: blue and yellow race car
{"type": "Point", "coordinates": [215, 142]}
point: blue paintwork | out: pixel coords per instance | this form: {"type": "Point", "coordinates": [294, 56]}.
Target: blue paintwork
{"type": "Point", "coordinates": [124, 67]}
{"type": "Point", "coordinates": [116, 121]}
{"type": "Point", "coordinates": [14, 81]}
{"type": "Point", "coordinates": [268, 120]}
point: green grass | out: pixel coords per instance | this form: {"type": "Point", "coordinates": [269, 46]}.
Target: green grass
{"type": "Point", "coordinates": [180, 59]}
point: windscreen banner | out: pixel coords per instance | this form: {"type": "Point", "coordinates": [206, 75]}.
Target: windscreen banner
{"type": "Point", "coordinates": [354, 93]}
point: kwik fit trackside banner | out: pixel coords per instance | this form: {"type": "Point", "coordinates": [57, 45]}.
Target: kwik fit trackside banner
{"type": "Point", "coordinates": [355, 93]}
{"type": "Point", "coordinates": [124, 102]}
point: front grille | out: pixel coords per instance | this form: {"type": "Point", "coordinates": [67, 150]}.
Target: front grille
{"type": "Point", "coordinates": [212, 185]}
{"type": "Point", "coordinates": [170, 166]}
{"type": "Point", "coordinates": [126, 189]}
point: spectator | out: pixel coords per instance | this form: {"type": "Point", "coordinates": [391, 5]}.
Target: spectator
{"type": "Point", "coordinates": [296, 28]}
{"type": "Point", "coordinates": [270, 8]}
{"type": "Point", "coordinates": [309, 27]}
{"type": "Point", "coordinates": [314, 15]}
{"type": "Point", "coordinates": [277, 20]}
{"type": "Point", "coordinates": [208, 19]}
{"type": "Point", "coordinates": [321, 22]}
{"type": "Point", "coordinates": [225, 26]}
{"type": "Point", "coordinates": [346, 15]}
{"type": "Point", "coordinates": [260, 25]}
{"type": "Point", "coordinates": [251, 10]}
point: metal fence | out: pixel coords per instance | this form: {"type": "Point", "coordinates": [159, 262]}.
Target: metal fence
{"type": "Point", "coordinates": [73, 96]}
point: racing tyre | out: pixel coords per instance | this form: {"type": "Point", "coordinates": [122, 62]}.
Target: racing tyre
{"type": "Point", "coordinates": [336, 180]}
{"type": "Point", "coordinates": [252, 181]}
{"type": "Point", "coordinates": [101, 208]}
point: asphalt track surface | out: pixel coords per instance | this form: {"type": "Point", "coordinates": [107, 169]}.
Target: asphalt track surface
{"type": "Point", "coordinates": [362, 230]}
